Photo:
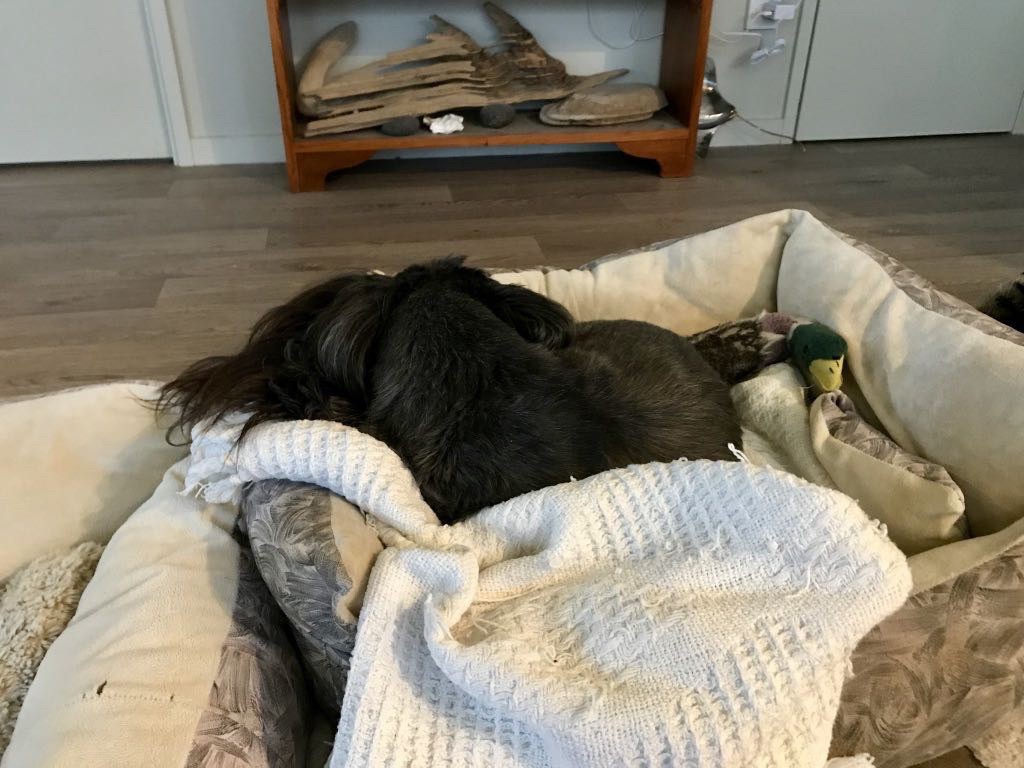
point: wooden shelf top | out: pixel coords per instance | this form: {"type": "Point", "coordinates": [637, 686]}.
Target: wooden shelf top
{"type": "Point", "coordinates": [525, 129]}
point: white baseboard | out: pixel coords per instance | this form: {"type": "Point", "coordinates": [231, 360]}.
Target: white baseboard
{"type": "Point", "coordinates": [232, 150]}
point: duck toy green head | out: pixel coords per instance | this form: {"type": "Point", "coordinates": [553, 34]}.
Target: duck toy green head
{"type": "Point", "coordinates": [819, 353]}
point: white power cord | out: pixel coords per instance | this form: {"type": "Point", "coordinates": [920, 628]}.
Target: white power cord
{"type": "Point", "coordinates": [770, 133]}
{"type": "Point", "coordinates": [639, 10]}
{"type": "Point", "coordinates": [638, 17]}
{"type": "Point", "coordinates": [762, 53]}
{"type": "Point", "coordinates": [774, 13]}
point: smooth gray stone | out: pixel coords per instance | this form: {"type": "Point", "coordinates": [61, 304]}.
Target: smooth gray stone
{"type": "Point", "coordinates": [401, 126]}
{"type": "Point", "coordinates": [497, 115]}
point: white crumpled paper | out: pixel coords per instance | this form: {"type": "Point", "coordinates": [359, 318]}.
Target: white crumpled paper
{"type": "Point", "coordinates": [445, 124]}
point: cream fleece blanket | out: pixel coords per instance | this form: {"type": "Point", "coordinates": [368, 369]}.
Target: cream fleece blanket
{"type": "Point", "coordinates": [36, 605]}
{"type": "Point", "coordinates": [697, 613]}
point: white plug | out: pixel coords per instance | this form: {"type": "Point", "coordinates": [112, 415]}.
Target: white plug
{"type": "Point", "coordinates": [762, 53]}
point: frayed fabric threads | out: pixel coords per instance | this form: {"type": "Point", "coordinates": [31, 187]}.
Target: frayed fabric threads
{"type": "Point", "coordinates": [537, 629]}
{"type": "Point", "coordinates": [740, 455]}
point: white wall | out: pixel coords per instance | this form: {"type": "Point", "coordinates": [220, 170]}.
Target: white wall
{"type": "Point", "coordinates": [561, 27]}
{"type": "Point", "coordinates": [882, 69]}
{"type": "Point", "coordinates": [77, 82]}
{"type": "Point", "coordinates": [228, 81]}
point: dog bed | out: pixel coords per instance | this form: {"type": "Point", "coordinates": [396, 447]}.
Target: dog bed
{"type": "Point", "coordinates": [214, 677]}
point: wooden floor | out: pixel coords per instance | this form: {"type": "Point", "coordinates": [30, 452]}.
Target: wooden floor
{"type": "Point", "coordinates": [133, 270]}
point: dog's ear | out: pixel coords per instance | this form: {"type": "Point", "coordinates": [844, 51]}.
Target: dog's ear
{"type": "Point", "coordinates": [273, 376]}
{"type": "Point", "coordinates": [536, 318]}
{"type": "Point", "coordinates": [345, 336]}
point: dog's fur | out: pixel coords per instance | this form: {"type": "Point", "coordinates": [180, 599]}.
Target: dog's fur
{"type": "Point", "coordinates": [1007, 304]}
{"type": "Point", "coordinates": [485, 390]}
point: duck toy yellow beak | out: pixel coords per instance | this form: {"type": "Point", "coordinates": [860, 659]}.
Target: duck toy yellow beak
{"type": "Point", "coordinates": [819, 353]}
{"type": "Point", "coordinates": [825, 375]}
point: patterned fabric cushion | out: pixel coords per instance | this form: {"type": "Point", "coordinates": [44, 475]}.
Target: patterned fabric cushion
{"type": "Point", "coordinates": [314, 551]}
{"type": "Point", "coordinates": [948, 667]}
{"type": "Point", "coordinates": [256, 713]}
{"type": "Point", "coordinates": [916, 499]}
{"type": "Point", "coordinates": [1002, 746]}
{"type": "Point", "coordinates": [941, 671]}
{"type": "Point", "coordinates": [846, 426]}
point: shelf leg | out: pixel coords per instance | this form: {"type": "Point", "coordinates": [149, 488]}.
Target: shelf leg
{"type": "Point", "coordinates": [308, 172]}
{"type": "Point", "coordinates": [673, 156]}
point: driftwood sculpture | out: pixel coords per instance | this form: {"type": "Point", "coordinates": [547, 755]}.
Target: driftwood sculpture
{"type": "Point", "coordinates": [450, 71]}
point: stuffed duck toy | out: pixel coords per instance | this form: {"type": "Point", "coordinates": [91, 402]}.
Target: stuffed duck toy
{"type": "Point", "coordinates": [819, 353]}
{"type": "Point", "coordinates": [742, 348]}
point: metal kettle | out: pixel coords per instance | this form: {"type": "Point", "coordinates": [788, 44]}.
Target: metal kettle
{"type": "Point", "coordinates": [715, 111]}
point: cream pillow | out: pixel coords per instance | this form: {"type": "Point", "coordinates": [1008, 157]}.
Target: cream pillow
{"type": "Point", "coordinates": [685, 285]}
{"type": "Point", "coordinates": [75, 465]}
{"type": "Point", "coordinates": [177, 654]}
{"type": "Point", "coordinates": [916, 499]}
{"type": "Point", "coordinates": [944, 389]}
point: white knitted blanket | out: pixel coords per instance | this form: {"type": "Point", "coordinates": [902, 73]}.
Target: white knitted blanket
{"type": "Point", "coordinates": [685, 614]}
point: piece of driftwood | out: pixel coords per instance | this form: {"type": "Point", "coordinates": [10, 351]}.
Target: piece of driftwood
{"type": "Point", "coordinates": [449, 71]}
{"type": "Point", "coordinates": [606, 105]}
{"type": "Point", "coordinates": [326, 53]}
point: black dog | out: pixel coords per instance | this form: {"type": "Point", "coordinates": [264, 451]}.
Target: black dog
{"type": "Point", "coordinates": [485, 390]}
{"type": "Point", "coordinates": [1007, 304]}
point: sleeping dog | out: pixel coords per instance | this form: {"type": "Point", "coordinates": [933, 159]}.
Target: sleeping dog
{"type": "Point", "coordinates": [485, 390]}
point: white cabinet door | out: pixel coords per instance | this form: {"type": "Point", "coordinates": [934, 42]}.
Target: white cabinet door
{"type": "Point", "coordinates": [913, 67]}
{"type": "Point", "coordinates": [77, 82]}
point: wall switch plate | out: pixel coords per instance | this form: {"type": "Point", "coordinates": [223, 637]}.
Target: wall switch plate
{"type": "Point", "coordinates": [766, 14]}
{"type": "Point", "coordinates": [785, 11]}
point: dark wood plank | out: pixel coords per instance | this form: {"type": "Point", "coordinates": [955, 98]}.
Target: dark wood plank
{"type": "Point", "coordinates": [133, 269]}
{"type": "Point", "coordinates": [53, 293]}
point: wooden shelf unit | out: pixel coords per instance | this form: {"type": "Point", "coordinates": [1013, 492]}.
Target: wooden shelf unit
{"type": "Point", "coordinates": [670, 137]}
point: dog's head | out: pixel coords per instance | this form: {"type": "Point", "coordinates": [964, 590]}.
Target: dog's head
{"type": "Point", "coordinates": [311, 358]}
